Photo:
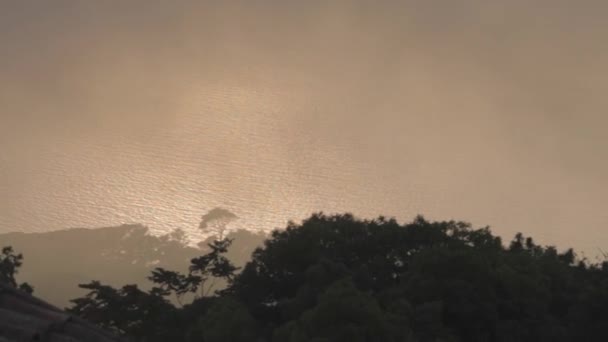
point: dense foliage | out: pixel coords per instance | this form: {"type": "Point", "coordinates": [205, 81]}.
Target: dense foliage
{"type": "Point", "coordinates": [338, 278]}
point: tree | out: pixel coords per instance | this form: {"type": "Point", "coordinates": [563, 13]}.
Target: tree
{"type": "Point", "coordinates": [226, 320]}
{"type": "Point", "coordinates": [213, 266]}
{"type": "Point", "coordinates": [444, 280]}
{"type": "Point", "coordinates": [216, 221]}
{"type": "Point", "coordinates": [204, 271]}
{"type": "Point", "coordinates": [148, 315]}
{"type": "Point", "coordinates": [339, 278]}
{"type": "Point", "coordinates": [127, 311]}
{"type": "Point", "coordinates": [10, 262]}
{"type": "Point", "coordinates": [343, 313]}
{"type": "Point", "coordinates": [174, 282]}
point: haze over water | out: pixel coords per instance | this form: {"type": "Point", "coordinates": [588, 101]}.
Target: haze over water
{"type": "Point", "coordinates": [143, 111]}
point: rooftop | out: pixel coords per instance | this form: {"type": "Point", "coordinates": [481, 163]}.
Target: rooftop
{"type": "Point", "coordinates": [27, 318]}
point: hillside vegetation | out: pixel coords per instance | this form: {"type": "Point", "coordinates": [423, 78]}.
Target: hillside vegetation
{"type": "Point", "coordinates": [60, 260]}
{"type": "Point", "coordinates": [339, 278]}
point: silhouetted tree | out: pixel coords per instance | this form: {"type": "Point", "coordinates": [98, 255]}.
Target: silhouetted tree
{"type": "Point", "coordinates": [338, 278]}
{"type": "Point", "coordinates": [174, 282]}
{"type": "Point", "coordinates": [343, 313]}
{"type": "Point", "coordinates": [128, 310]}
{"type": "Point", "coordinates": [216, 221]}
{"type": "Point", "coordinates": [148, 315]}
{"type": "Point", "coordinates": [226, 320]}
{"type": "Point", "coordinates": [10, 262]}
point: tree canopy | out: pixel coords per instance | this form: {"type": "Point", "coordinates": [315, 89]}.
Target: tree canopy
{"type": "Point", "coordinates": [339, 278]}
{"type": "Point", "coordinates": [216, 220]}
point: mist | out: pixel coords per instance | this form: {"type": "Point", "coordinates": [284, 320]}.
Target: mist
{"type": "Point", "coordinates": [147, 112]}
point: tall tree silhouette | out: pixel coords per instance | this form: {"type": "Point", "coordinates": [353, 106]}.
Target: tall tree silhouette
{"type": "Point", "coordinates": [10, 262]}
